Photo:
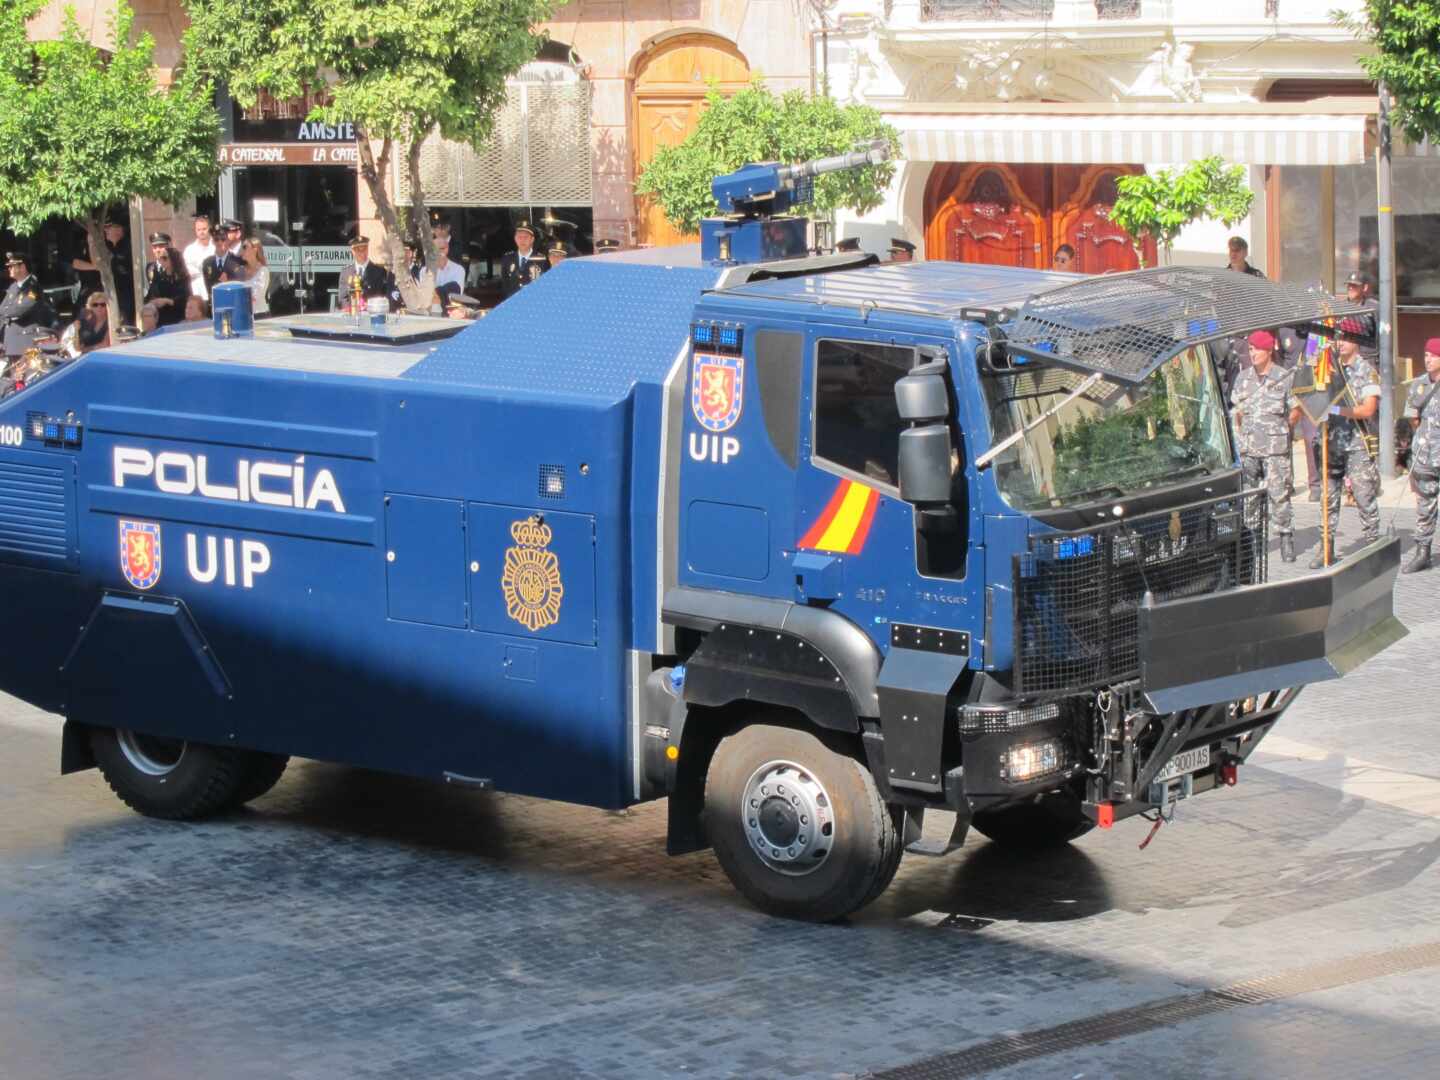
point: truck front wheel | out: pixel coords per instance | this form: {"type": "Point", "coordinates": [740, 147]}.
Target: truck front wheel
{"type": "Point", "coordinates": [799, 829]}
{"type": "Point", "coordinates": [170, 778]}
{"type": "Point", "coordinates": [1050, 821]}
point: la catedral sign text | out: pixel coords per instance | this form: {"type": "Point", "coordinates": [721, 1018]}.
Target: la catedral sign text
{"type": "Point", "coordinates": [287, 154]}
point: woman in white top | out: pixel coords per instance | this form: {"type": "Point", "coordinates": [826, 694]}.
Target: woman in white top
{"type": "Point", "coordinates": [257, 273]}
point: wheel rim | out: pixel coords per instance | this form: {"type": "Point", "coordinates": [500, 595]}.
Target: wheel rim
{"type": "Point", "coordinates": [788, 818]}
{"type": "Point", "coordinates": [151, 754]}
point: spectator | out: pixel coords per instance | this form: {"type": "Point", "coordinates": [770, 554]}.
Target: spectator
{"type": "Point", "coordinates": [150, 319]}
{"type": "Point", "coordinates": [1064, 258]}
{"type": "Point", "coordinates": [167, 282]}
{"type": "Point", "coordinates": [257, 273]}
{"type": "Point", "coordinates": [91, 328]}
{"type": "Point", "coordinates": [196, 310]}
{"type": "Point", "coordinates": [1239, 257]}
{"type": "Point", "coordinates": [449, 276]}
{"type": "Point", "coordinates": [197, 253]}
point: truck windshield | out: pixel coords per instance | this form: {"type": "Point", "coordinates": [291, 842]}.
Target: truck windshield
{"type": "Point", "coordinates": [1112, 440]}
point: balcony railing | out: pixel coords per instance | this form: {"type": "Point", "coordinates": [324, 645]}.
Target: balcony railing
{"type": "Point", "coordinates": [988, 10]}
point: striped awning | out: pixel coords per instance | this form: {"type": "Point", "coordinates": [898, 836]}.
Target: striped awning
{"type": "Point", "coordinates": [1162, 138]}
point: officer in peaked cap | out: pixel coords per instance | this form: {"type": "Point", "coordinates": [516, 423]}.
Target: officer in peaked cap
{"type": "Point", "coordinates": [850, 243]}
{"type": "Point", "coordinates": [606, 246]}
{"type": "Point", "coordinates": [523, 265]}
{"type": "Point", "coordinates": [1357, 289]}
{"type": "Point", "coordinates": [25, 313]}
{"type": "Point", "coordinates": [557, 253]}
{"type": "Point", "coordinates": [901, 250]}
{"type": "Point", "coordinates": [374, 279]}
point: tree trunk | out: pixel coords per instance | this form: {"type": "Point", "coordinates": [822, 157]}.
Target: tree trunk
{"type": "Point", "coordinates": [372, 170]}
{"type": "Point", "coordinates": [100, 255]}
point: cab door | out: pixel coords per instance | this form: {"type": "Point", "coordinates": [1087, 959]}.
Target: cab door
{"type": "Point", "coordinates": [857, 546]}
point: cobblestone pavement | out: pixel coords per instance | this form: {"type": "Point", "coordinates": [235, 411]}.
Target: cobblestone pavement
{"type": "Point", "coordinates": [352, 924]}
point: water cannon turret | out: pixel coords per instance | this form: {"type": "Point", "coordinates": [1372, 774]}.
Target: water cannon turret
{"type": "Point", "coordinates": [756, 199]}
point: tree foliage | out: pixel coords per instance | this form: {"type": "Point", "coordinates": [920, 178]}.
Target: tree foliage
{"type": "Point", "coordinates": [755, 125]}
{"type": "Point", "coordinates": [83, 128]}
{"type": "Point", "coordinates": [1161, 203]}
{"type": "Point", "coordinates": [396, 69]}
{"type": "Point", "coordinates": [1406, 37]}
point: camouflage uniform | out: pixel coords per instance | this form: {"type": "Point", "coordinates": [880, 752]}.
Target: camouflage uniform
{"type": "Point", "coordinates": [1424, 457]}
{"type": "Point", "coordinates": [1348, 455]}
{"type": "Point", "coordinates": [1264, 404]}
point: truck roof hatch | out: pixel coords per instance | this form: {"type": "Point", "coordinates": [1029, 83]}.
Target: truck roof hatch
{"type": "Point", "coordinates": [1124, 326]}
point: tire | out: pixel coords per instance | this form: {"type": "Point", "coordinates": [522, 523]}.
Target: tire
{"type": "Point", "coordinates": [169, 778]}
{"type": "Point", "coordinates": [1050, 821]}
{"type": "Point", "coordinates": [263, 773]}
{"type": "Point", "coordinates": [800, 790]}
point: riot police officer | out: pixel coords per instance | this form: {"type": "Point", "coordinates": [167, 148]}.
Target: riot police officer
{"type": "Point", "coordinates": [1422, 406]}
{"type": "Point", "coordinates": [1346, 450]}
{"type": "Point", "coordinates": [25, 313]}
{"type": "Point", "coordinates": [1264, 408]}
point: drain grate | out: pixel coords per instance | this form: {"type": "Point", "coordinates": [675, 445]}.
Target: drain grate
{"type": "Point", "coordinates": [1028, 1045]}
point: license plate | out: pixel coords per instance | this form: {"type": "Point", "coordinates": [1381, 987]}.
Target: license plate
{"type": "Point", "coordinates": [1186, 762]}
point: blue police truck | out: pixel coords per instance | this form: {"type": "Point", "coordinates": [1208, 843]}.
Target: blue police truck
{"type": "Point", "coordinates": [806, 544]}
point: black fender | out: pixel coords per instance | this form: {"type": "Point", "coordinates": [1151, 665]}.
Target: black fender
{"type": "Point", "coordinates": [809, 659]}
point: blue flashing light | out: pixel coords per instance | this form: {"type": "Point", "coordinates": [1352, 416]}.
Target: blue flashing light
{"type": "Point", "coordinates": [72, 433]}
{"type": "Point", "coordinates": [703, 335]}
{"type": "Point", "coordinates": [1202, 326]}
{"type": "Point", "coordinates": [52, 431]}
{"type": "Point", "coordinates": [1075, 547]}
{"type": "Point", "coordinates": [730, 336]}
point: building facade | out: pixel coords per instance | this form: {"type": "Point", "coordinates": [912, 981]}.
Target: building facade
{"type": "Point", "coordinates": [1016, 116]}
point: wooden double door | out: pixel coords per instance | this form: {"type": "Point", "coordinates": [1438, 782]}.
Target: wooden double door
{"type": "Point", "coordinates": [1018, 215]}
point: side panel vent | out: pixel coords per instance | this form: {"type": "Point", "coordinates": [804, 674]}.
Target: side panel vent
{"type": "Point", "coordinates": [37, 512]}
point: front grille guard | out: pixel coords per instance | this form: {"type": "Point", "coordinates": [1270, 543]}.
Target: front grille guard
{"type": "Point", "coordinates": [1077, 594]}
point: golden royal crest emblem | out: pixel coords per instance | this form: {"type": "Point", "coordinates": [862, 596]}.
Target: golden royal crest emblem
{"type": "Point", "coordinates": [1175, 527]}
{"type": "Point", "coordinates": [531, 578]}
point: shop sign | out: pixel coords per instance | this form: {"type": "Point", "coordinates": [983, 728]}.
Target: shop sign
{"type": "Point", "coordinates": [232, 154]}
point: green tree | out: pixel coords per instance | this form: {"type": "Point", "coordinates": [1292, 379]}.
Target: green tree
{"type": "Point", "coordinates": [1160, 204]}
{"type": "Point", "coordinates": [84, 128]}
{"type": "Point", "coordinates": [396, 69]}
{"type": "Point", "coordinates": [755, 125]}
{"type": "Point", "coordinates": [1405, 35]}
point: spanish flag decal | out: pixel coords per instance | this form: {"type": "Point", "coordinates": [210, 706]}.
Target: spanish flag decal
{"type": "Point", "coordinates": [845, 522]}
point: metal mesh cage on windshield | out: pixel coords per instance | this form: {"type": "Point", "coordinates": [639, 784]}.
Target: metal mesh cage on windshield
{"type": "Point", "coordinates": [1077, 595]}
{"type": "Point", "coordinates": [1127, 325]}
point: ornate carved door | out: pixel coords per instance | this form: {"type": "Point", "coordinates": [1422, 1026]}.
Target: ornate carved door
{"type": "Point", "coordinates": [988, 218]}
{"type": "Point", "coordinates": [670, 87]}
{"type": "Point", "coordinates": [1084, 223]}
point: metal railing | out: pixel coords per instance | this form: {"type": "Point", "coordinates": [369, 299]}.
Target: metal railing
{"type": "Point", "coordinates": [1117, 9]}
{"type": "Point", "coordinates": [986, 10]}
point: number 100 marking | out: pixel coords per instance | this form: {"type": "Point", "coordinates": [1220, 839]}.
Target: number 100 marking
{"type": "Point", "coordinates": [12, 436]}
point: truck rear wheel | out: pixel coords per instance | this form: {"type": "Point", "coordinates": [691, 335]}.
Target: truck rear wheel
{"type": "Point", "coordinates": [800, 830]}
{"type": "Point", "coordinates": [169, 778]}
{"type": "Point", "coordinates": [1051, 821]}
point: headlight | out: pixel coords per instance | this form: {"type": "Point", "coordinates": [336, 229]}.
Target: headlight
{"type": "Point", "coordinates": [1030, 761]}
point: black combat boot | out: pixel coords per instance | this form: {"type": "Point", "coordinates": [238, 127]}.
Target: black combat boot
{"type": "Point", "coordinates": [1319, 561]}
{"type": "Point", "coordinates": [1287, 547]}
{"type": "Point", "coordinates": [1418, 561]}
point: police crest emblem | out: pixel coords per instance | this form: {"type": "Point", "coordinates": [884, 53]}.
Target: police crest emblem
{"type": "Point", "coordinates": [531, 580]}
{"type": "Point", "coordinates": [717, 390]}
{"type": "Point", "coordinates": [140, 554]}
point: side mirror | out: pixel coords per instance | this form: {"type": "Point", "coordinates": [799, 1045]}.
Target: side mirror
{"type": "Point", "coordinates": [923, 399]}
{"type": "Point", "coordinates": [921, 395]}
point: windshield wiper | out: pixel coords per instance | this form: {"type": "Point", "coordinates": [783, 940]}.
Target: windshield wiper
{"type": "Point", "coordinates": [1090, 494]}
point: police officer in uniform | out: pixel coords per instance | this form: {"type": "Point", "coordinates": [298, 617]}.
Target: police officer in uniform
{"type": "Point", "coordinates": [1264, 409]}
{"type": "Point", "coordinates": [166, 284]}
{"type": "Point", "coordinates": [1422, 406]}
{"type": "Point", "coordinates": [25, 313]}
{"type": "Point", "coordinates": [523, 265]}
{"type": "Point", "coordinates": [901, 250]}
{"type": "Point", "coordinates": [1348, 455]}
{"type": "Point", "coordinates": [374, 279]}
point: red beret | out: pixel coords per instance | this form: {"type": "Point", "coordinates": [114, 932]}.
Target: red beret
{"type": "Point", "coordinates": [1433, 346]}
{"type": "Point", "coordinates": [1262, 339]}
